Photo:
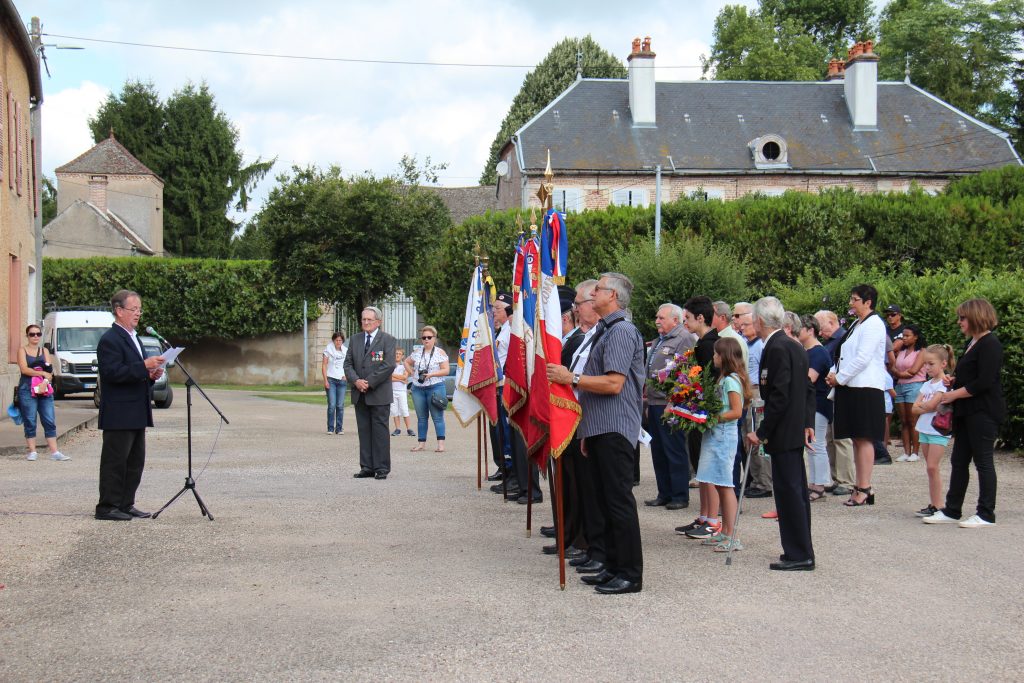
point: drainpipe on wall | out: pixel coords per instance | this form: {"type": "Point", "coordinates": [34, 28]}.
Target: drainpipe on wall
{"type": "Point", "coordinates": [305, 342]}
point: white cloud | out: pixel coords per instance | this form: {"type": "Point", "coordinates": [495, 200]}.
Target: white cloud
{"type": "Point", "coordinates": [65, 132]}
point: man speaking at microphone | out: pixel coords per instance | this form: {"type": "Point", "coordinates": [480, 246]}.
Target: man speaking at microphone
{"type": "Point", "coordinates": [126, 409]}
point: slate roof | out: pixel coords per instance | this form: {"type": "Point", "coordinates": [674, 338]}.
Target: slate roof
{"type": "Point", "coordinates": [115, 222]}
{"type": "Point", "coordinates": [108, 157]}
{"type": "Point", "coordinates": [917, 133]}
{"type": "Point", "coordinates": [464, 202]}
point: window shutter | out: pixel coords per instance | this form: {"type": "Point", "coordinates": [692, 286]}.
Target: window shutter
{"type": "Point", "coordinates": [629, 197]}
{"type": "Point", "coordinates": [568, 200]}
{"type": "Point", "coordinates": [3, 113]}
{"type": "Point", "coordinates": [19, 150]}
{"type": "Point", "coordinates": [11, 152]}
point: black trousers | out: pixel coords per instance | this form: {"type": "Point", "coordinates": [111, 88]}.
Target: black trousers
{"type": "Point", "coordinates": [613, 457]}
{"type": "Point", "coordinates": [499, 436]}
{"type": "Point", "coordinates": [122, 460]}
{"type": "Point", "coordinates": [669, 457]}
{"type": "Point", "coordinates": [570, 459]}
{"type": "Point", "coordinates": [374, 437]}
{"type": "Point", "coordinates": [789, 484]}
{"type": "Point", "coordinates": [975, 441]}
{"type": "Point", "coordinates": [592, 519]}
{"type": "Point", "coordinates": [693, 439]}
{"type": "Point", "coordinates": [525, 469]}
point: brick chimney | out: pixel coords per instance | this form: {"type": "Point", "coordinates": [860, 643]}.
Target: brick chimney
{"type": "Point", "coordinates": [98, 192]}
{"type": "Point", "coordinates": [835, 70]}
{"type": "Point", "coordinates": [861, 86]}
{"type": "Point", "coordinates": [641, 83]}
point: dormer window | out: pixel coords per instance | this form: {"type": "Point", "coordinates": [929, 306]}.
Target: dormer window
{"type": "Point", "coordinates": [769, 151]}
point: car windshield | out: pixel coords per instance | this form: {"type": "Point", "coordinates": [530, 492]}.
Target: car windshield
{"type": "Point", "coordinates": [151, 348]}
{"type": "Point", "coordinates": [79, 338]}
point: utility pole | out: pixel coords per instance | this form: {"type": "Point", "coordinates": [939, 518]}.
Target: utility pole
{"type": "Point", "coordinates": [657, 209]}
{"type": "Point", "coordinates": [36, 122]}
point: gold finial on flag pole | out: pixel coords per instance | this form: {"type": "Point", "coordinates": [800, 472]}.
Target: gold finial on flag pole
{"type": "Point", "coordinates": [546, 191]}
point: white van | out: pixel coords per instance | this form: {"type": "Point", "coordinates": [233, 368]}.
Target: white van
{"type": "Point", "coordinates": [71, 337]}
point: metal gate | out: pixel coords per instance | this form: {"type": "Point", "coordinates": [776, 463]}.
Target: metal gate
{"type": "Point", "coordinates": [401, 321]}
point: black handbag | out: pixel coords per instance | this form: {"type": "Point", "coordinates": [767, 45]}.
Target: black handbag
{"type": "Point", "coordinates": [439, 401]}
{"type": "Point", "coordinates": [14, 402]}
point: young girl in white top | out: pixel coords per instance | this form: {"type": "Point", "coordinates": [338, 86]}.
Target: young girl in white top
{"type": "Point", "coordinates": [937, 359]}
{"type": "Point", "coordinates": [400, 395]}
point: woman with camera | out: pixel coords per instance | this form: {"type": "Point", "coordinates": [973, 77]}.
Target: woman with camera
{"type": "Point", "coordinates": [428, 366]}
{"type": "Point", "coordinates": [35, 393]}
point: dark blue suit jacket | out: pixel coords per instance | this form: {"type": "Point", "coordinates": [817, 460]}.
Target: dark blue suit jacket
{"type": "Point", "coordinates": [125, 401]}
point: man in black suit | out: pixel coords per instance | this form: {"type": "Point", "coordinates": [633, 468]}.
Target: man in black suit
{"type": "Point", "coordinates": [787, 427]}
{"type": "Point", "coordinates": [126, 409]}
{"type": "Point", "coordinates": [368, 367]}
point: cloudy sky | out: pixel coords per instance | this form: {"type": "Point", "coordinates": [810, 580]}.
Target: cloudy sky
{"type": "Point", "coordinates": [358, 115]}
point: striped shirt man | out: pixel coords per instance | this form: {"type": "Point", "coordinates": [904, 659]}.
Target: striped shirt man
{"type": "Point", "coordinates": [618, 348]}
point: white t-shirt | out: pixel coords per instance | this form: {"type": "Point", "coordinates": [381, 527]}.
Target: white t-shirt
{"type": "Point", "coordinates": [888, 396]}
{"type": "Point", "coordinates": [430, 363]}
{"type": "Point", "coordinates": [928, 391]}
{"type": "Point", "coordinates": [396, 384]}
{"type": "Point", "coordinates": [335, 361]}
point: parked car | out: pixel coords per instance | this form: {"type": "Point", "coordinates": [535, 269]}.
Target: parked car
{"type": "Point", "coordinates": [449, 381]}
{"type": "Point", "coordinates": [71, 338]}
{"type": "Point", "coordinates": [162, 393]}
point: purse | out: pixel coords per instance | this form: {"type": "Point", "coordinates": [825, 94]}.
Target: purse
{"type": "Point", "coordinates": [942, 421]}
{"type": "Point", "coordinates": [14, 402]}
{"type": "Point", "coordinates": [439, 401]}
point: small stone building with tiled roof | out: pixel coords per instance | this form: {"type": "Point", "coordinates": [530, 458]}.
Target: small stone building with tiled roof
{"type": "Point", "coordinates": [108, 204]}
{"type": "Point", "coordinates": [726, 139]}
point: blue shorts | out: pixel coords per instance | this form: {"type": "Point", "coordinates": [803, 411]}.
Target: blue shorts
{"type": "Point", "coordinates": [933, 439]}
{"type": "Point", "coordinates": [907, 393]}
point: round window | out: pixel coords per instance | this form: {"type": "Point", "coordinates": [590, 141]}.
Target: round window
{"type": "Point", "coordinates": [771, 150]}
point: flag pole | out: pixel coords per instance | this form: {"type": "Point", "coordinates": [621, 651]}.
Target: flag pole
{"type": "Point", "coordinates": [478, 485]}
{"type": "Point", "coordinates": [485, 429]}
{"type": "Point", "coordinates": [559, 523]}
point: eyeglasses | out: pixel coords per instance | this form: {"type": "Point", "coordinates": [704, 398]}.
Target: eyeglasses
{"type": "Point", "coordinates": [137, 309]}
{"type": "Point", "coordinates": [426, 337]}
{"type": "Point", "coordinates": [855, 298]}
{"type": "Point", "coordinates": [367, 320]}
{"type": "Point", "coordinates": [599, 288]}
{"type": "Point", "coordinates": [35, 334]}
{"type": "Point", "coordinates": [577, 304]}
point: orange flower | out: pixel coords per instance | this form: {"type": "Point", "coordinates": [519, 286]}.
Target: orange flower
{"type": "Point", "coordinates": [694, 371]}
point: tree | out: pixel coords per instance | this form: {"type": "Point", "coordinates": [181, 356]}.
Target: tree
{"type": "Point", "coordinates": [961, 51]}
{"type": "Point", "coordinates": [193, 147]}
{"type": "Point", "coordinates": [348, 240]}
{"type": "Point", "coordinates": [49, 199]}
{"type": "Point", "coordinates": [412, 172]}
{"type": "Point", "coordinates": [785, 40]}
{"type": "Point", "coordinates": [553, 75]}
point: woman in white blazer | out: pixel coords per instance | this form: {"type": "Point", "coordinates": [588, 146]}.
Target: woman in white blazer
{"type": "Point", "coordinates": [859, 382]}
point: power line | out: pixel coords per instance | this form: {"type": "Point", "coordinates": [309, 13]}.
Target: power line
{"type": "Point", "coordinates": [352, 60]}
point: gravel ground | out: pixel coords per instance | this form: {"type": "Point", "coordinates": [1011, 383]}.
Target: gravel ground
{"type": "Point", "coordinates": [310, 575]}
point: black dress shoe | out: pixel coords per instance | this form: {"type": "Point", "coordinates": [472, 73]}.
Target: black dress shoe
{"type": "Point", "coordinates": [523, 499]}
{"type": "Point", "coordinates": [136, 512]}
{"type": "Point", "coordinates": [884, 460]}
{"type": "Point", "coordinates": [380, 475]}
{"type": "Point", "coordinates": [547, 531]}
{"type": "Point", "coordinates": [114, 516]}
{"type": "Point", "coordinates": [553, 550]}
{"type": "Point", "coordinates": [497, 476]}
{"type": "Point", "coordinates": [579, 560]}
{"type": "Point", "coordinates": [574, 552]}
{"type": "Point", "coordinates": [792, 566]}
{"type": "Point", "coordinates": [362, 474]}
{"type": "Point", "coordinates": [619, 585]}
{"type": "Point", "coordinates": [597, 579]}
{"type": "Point", "coordinates": [678, 505]}
{"type": "Point", "coordinates": [758, 493]}
{"type": "Point", "coordinates": [592, 567]}
{"type": "Point", "coordinates": [655, 502]}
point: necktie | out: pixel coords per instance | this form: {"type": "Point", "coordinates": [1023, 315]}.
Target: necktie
{"type": "Point", "coordinates": [367, 346]}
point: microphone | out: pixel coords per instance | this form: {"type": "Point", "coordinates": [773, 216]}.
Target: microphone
{"type": "Point", "coordinates": [153, 333]}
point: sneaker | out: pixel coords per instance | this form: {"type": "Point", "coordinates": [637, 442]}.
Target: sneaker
{"type": "Point", "coordinates": [705, 530]}
{"type": "Point", "coordinates": [397, 432]}
{"type": "Point", "coordinates": [410, 432]}
{"type": "Point", "coordinates": [688, 527]}
{"type": "Point", "coordinates": [714, 539]}
{"type": "Point", "coordinates": [728, 544]}
{"type": "Point", "coordinates": [903, 458]}
{"type": "Point", "coordinates": [59, 457]}
{"type": "Point", "coordinates": [927, 512]}
{"type": "Point", "coordinates": [939, 518]}
{"type": "Point", "coordinates": [914, 457]}
{"type": "Point", "coordinates": [32, 456]}
{"type": "Point", "coordinates": [340, 432]}
{"type": "Point", "coordinates": [330, 432]}
{"type": "Point", "coordinates": [975, 522]}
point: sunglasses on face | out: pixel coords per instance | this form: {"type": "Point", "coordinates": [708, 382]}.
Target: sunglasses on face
{"type": "Point", "coordinates": [426, 337]}
{"type": "Point", "coordinates": [35, 334]}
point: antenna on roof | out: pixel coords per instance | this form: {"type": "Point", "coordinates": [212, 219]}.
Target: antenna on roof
{"type": "Point", "coordinates": [906, 71]}
{"type": "Point", "coordinates": [579, 64]}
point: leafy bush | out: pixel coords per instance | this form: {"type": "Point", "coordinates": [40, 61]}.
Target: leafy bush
{"type": "Point", "coordinates": [186, 299]}
{"type": "Point", "coordinates": [682, 269]}
{"type": "Point", "coordinates": [930, 300]}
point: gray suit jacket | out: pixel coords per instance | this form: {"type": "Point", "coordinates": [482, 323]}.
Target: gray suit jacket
{"type": "Point", "coordinates": [375, 366]}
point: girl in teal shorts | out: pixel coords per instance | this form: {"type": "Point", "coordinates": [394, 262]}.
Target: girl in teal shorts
{"type": "Point", "coordinates": [937, 359]}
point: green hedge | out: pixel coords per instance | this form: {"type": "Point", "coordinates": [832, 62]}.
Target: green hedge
{"type": "Point", "coordinates": [929, 300]}
{"type": "Point", "coordinates": [185, 299]}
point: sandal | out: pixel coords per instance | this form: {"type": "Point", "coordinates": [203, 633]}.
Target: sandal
{"type": "Point", "coordinates": [815, 494]}
{"type": "Point", "coordinates": [417, 447]}
{"type": "Point", "coordinates": [869, 497]}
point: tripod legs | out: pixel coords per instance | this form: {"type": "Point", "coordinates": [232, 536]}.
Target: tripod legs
{"type": "Point", "coordinates": [190, 484]}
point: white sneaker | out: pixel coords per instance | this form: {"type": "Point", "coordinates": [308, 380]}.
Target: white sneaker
{"type": "Point", "coordinates": [59, 457]}
{"type": "Point", "coordinates": [913, 457]}
{"type": "Point", "coordinates": [903, 458]}
{"type": "Point", "coordinates": [939, 518]}
{"type": "Point", "coordinates": [32, 456]}
{"type": "Point", "coordinates": [975, 522]}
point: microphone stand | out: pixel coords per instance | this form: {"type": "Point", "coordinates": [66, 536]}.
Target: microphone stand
{"type": "Point", "coordinates": [190, 483]}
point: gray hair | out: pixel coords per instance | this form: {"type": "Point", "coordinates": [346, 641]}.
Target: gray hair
{"type": "Point", "coordinates": [585, 285]}
{"type": "Point", "coordinates": [792, 321]}
{"type": "Point", "coordinates": [677, 311]}
{"type": "Point", "coordinates": [770, 312]}
{"type": "Point", "coordinates": [827, 315]}
{"type": "Point", "coordinates": [722, 308]}
{"type": "Point", "coordinates": [742, 304]}
{"type": "Point", "coordinates": [621, 285]}
{"type": "Point", "coordinates": [376, 311]}
{"type": "Point", "coordinates": [121, 297]}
